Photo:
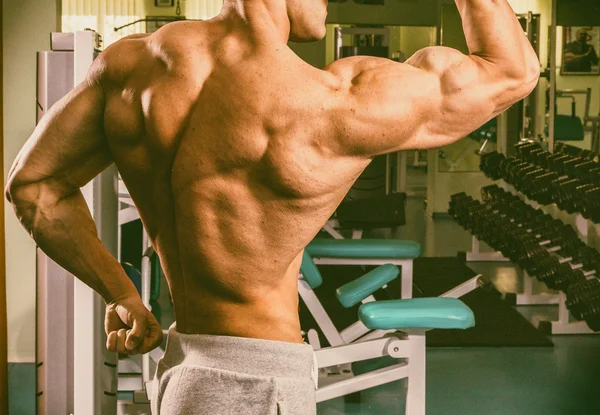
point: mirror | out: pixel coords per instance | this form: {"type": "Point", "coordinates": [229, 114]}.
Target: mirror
{"type": "Point", "coordinates": [577, 119]}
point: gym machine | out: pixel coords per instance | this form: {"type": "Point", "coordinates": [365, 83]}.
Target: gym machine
{"type": "Point", "coordinates": [75, 372]}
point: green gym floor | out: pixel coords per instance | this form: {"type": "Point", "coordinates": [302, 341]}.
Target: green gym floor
{"type": "Point", "coordinates": [563, 380]}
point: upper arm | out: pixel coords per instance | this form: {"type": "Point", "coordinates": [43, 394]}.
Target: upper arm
{"type": "Point", "coordinates": [439, 96]}
{"type": "Point", "coordinates": [67, 148]}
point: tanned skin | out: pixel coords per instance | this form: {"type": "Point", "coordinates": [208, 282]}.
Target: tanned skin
{"type": "Point", "coordinates": [236, 152]}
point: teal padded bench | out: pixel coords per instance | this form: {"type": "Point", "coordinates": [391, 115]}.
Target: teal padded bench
{"type": "Point", "coordinates": [355, 291]}
{"type": "Point", "coordinates": [417, 313]}
{"type": "Point", "coordinates": [368, 252]}
{"type": "Point", "coordinates": [364, 248]}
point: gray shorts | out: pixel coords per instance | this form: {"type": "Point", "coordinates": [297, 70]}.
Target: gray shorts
{"type": "Point", "coordinates": [204, 374]}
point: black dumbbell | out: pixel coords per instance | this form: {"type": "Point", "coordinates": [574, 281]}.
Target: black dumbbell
{"type": "Point", "coordinates": [578, 294]}
{"type": "Point", "coordinates": [565, 277]}
{"type": "Point", "coordinates": [591, 313]}
{"type": "Point", "coordinates": [491, 164]}
{"type": "Point", "coordinates": [540, 188]}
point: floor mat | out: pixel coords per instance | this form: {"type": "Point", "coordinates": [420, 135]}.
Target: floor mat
{"type": "Point", "coordinates": [497, 323]}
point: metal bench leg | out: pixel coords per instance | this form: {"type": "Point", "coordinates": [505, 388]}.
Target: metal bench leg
{"type": "Point", "coordinates": [415, 398]}
{"type": "Point", "coordinates": [407, 279]}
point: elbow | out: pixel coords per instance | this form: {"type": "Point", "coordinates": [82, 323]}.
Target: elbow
{"type": "Point", "coordinates": [24, 197]}
{"type": "Point", "coordinates": [16, 189]}
{"type": "Point", "coordinates": [20, 196]}
{"type": "Point", "coordinates": [26, 204]}
{"type": "Point", "coordinates": [7, 194]}
{"type": "Point", "coordinates": [29, 197]}
{"type": "Point", "coordinates": [526, 75]}
{"type": "Point", "coordinates": [10, 190]}
{"type": "Point", "coordinates": [15, 186]}
{"type": "Point", "coordinates": [532, 74]}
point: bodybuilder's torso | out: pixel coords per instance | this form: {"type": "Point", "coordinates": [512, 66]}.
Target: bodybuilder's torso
{"type": "Point", "coordinates": [224, 146]}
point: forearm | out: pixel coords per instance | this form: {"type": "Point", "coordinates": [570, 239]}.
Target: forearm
{"type": "Point", "coordinates": [64, 229]}
{"type": "Point", "coordinates": [493, 33]}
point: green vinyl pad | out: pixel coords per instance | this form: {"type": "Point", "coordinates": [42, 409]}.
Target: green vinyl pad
{"type": "Point", "coordinates": [310, 272]}
{"type": "Point", "coordinates": [355, 291]}
{"type": "Point", "coordinates": [417, 313]}
{"type": "Point", "coordinates": [363, 248]}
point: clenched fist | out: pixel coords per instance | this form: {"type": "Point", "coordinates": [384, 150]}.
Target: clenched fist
{"type": "Point", "coordinates": [130, 326]}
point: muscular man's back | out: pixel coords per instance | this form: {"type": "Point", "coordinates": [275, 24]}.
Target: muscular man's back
{"type": "Point", "coordinates": [229, 160]}
{"type": "Point", "coordinates": [236, 152]}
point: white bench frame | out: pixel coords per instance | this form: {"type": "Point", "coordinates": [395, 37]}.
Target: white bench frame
{"type": "Point", "coordinates": [408, 347]}
{"type": "Point", "coordinates": [357, 342]}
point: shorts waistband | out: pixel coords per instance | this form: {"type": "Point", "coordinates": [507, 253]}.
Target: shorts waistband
{"type": "Point", "coordinates": [240, 354]}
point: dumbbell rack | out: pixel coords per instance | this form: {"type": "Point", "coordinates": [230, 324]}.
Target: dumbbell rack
{"type": "Point", "coordinates": [563, 325]}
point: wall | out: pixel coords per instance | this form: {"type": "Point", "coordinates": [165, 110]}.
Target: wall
{"type": "Point", "coordinates": [26, 26]}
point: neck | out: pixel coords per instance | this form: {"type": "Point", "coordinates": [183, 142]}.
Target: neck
{"type": "Point", "coordinates": [266, 19]}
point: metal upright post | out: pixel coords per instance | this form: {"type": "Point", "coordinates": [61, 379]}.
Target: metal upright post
{"type": "Point", "coordinates": [502, 133]}
{"type": "Point", "coordinates": [146, 293]}
{"type": "Point", "coordinates": [401, 171]}
{"type": "Point", "coordinates": [337, 44]}
{"type": "Point", "coordinates": [552, 79]}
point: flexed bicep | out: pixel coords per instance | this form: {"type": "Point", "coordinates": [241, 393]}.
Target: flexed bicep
{"type": "Point", "coordinates": [439, 96]}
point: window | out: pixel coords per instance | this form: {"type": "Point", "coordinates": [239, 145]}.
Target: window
{"type": "Point", "coordinates": [103, 16]}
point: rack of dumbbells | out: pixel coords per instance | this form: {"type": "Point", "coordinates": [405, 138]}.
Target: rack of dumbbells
{"type": "Point", "coordinates": [564, 184]}
{"type": "Point", "coordinates": [544, 247]}
{"type": "Point", "coordinates": [568, 178]}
